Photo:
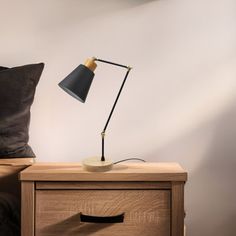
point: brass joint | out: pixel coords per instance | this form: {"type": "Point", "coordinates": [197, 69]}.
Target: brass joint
{"type": "Point", "coordinates": [129, 67]}
{"type": "Point", "coordinates": [90, 63]}
{"type": "Point", "coordinates": [103, 134]}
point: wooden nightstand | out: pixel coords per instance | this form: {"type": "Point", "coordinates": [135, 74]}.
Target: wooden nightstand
{"type": "Point", "coordinates": [130, 200]}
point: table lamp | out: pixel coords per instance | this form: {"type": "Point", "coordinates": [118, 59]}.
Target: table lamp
{"type": "Point", "coordinates": [77, 84]}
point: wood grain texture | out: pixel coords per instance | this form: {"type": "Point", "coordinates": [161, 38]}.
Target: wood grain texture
{"type": "Point", "coordinates": [17, 161]}
{"type": "Point", "coordinates": [147, 212]}
{"type": "Point", "coordinates": [27, 209]}
{"type": "Point", "coordinates": [103, 185]}
{"type": "Point", "coordinates": [177, 205]}
{"type": "Point", "coordinates": [120, 172]}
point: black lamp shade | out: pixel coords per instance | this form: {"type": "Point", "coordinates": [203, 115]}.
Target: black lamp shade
{"type": "Point", "coordinates": [78, 82]}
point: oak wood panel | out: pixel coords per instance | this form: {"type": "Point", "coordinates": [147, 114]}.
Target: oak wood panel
{"type": "Point", "coordinates": [17, 161]}
{"type": "Point", "coordinates": [103, 185]}
{"type": "Point", "coordinates": [177, 205]}
{"type": "Point", "coordinates": [27, 209]}
{"type": "Point", "coordinates": [147, 212]}
{"type": "Point", "coordinates": [121, 172]}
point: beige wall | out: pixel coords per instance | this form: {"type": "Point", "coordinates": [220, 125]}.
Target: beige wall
{"type": "Point", "coordinates": [179, 102]}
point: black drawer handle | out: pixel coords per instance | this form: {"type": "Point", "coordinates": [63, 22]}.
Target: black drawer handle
{"type": "Point", "coordinates": [102, 219]}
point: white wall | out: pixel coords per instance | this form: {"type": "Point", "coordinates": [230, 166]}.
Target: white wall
{"type": "Point", "coordinates": [179, 101]}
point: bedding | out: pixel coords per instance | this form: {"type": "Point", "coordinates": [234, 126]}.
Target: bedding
{"type": "Point", "coordinates": [9, 215]}
{"type": "Point", "coordinates": [10, 194]}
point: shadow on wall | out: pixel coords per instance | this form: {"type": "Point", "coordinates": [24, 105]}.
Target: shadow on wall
{"type": "Point", "coordinates": [212, 185]}
{"type": "Point", "coordinates": [127, 3]}
{"type": "Point", "coordinates": [74, 12]}
{"type": "Point", "coordinates": [208, 153]}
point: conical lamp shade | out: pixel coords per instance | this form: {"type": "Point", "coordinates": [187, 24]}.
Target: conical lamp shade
{"type": "Point", "coordinates": [78, 82]}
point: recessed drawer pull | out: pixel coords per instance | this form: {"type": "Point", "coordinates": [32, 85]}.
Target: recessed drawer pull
{"type": "Point", "coordinates": [102, 219]}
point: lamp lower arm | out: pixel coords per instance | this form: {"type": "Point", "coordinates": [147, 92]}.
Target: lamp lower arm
{"type": "Point", "coordinates": [103, 137]}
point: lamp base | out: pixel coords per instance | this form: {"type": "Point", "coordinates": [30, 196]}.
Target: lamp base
{"type": "Point", "coordinates": [94, 164]}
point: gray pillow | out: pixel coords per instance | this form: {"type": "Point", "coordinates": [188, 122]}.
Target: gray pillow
{"type": "Point", "coordinates": [17, 89]}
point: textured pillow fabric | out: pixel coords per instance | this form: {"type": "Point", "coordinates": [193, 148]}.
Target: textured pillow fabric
{"type": "Point", "coordinates": [17, 89]}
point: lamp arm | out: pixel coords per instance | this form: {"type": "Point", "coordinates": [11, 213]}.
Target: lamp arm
{"type": "Point", "coordinates": [111, 63]}
{"type": "Point", "coordinates": [116, 100]}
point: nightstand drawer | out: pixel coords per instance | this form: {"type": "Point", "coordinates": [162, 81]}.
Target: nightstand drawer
{"type": "Point", "coordinates": [146, 212]}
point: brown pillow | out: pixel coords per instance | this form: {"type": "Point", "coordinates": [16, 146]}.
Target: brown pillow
{"type": "Point", "coordinates": [17, 89]}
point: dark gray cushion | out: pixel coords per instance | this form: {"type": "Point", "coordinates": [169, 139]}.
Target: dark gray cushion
{"type": "Point", "coordinates": [17, 89]}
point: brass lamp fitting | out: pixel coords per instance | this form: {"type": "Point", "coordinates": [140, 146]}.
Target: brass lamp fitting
{"type": "Point", "coordinates": [90, 63]}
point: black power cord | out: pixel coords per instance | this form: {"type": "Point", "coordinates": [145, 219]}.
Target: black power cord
{"type": "Point", "coordinates": [129, 159]}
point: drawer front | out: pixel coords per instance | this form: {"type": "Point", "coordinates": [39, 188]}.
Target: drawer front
{"type": "Point", "coordinates": [146, 212]}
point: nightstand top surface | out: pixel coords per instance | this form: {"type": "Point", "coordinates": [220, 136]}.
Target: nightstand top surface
{"type": "Point", "coordinates": [149, 171]}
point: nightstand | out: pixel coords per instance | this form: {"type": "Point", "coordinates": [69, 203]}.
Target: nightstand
{"type": "Point", "coordinates": [132, 199]}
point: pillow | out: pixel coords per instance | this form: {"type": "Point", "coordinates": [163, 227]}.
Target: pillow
{"type": "Point", "coordinates": [17, 89]}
